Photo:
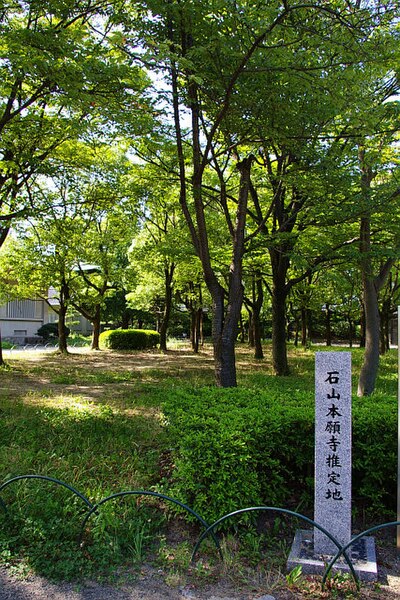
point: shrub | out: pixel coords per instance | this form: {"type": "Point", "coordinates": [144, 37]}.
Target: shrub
{"type": "Point", "coordinates": [7, 345]}
{"type": "Point", "coordinates": [236, 448]}
{"type": "Point", "coordinates": [129, 339]}
{"type": "Point", "coordinates": [50, 331]}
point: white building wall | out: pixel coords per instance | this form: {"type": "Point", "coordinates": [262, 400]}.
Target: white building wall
{"type": "Point", "coordinates": [20, 319]}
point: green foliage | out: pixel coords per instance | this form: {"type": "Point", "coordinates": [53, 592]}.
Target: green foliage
{"type": "Point", "coordinates": [236, 448]}
{"type": "Point", "coordinates": [6, 345]}
{"type": "Point", "coordinates": [44, 521]}
{"type": "Point", "coordinates": [129, 339]}
{"type": "Point", "coordinates": [374, 453]}
{"type": "Point", "coordinates": [49, 331]}
{"type": "Point", "coordinates": [226, 445]}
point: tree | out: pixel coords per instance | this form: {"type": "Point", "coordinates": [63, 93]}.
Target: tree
{"type": "Point", "coordinates": [62, 77]}
{"type": "Point", "coordinates": [38, 265]}
{"type": "Point", "coordinates": [107, 216]}
{"type": "Point", "coordinates": [154, 256]}
{"type": "Point", "coordinates": [373, 279]}
{"type": "Point", "coordinates": [77, 245]}
{"type": "Point", "coordinates": [216, 76]}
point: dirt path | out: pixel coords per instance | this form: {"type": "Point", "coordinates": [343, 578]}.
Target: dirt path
{"type": "Point", "coordinates": [147, 588]}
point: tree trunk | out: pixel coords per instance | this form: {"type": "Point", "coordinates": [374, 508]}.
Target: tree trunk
{"type": "Point", "coordinates": [351, 330]}
{"type": "Point", "coordinates": [328, 326]}
{"type": "Point", "coordinates": [96, 322]}
{"type": "Point", "coordinates": [168, 284]}
{"type": "Point", "coordinates": [385, 323]}
{"type": "Point", "coordinates": [280, 265]}
{"type": "Point", "coordinates": [304, 331]}
{"type": "Point", "coordinates": [371, 287]}
{"type": "Point", "coordinates": [193, 337]}
{"type": "Point", "coordinates": [126, 319]}
{"type": "Point", "coordinates": [250, 329]}
{"type": "Point", "coordinates": [196, 316]}
{"type": "Point", "coordinates": [225, 325]}
{"type": "Point", "coordinates": [62, 334]}
{"type": "Point", "coordinates": [258, 300]}
{"type": "Point", "coordinates": [225, 328]}
{"type": "Point", "coordinates": [369, 369]}
{"type": "Point", "coordinates": [279, 347]}
{"type": "Point", "coordinates": [62, 314]}
{"type": "Point", "coordinates": [198, 330]}
{"type": "Point", "coordinates": [258, 350]}
{"type": "Point", "coordinates": [362, 327]}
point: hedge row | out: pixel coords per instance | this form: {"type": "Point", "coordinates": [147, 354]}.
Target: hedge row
{"type": "Point", "coordinates": [235, 448]}
{"type": "Point", "coordinates": [129, 339]}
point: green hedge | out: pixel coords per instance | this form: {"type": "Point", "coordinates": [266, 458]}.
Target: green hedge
{"type": "Point", "coordinates": [129, 339]}
{"type": "Point", "coordinates": [235, 448]}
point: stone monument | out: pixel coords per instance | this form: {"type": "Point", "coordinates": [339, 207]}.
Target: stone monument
{"type": "Point", "coordinates": [332, 490]}
{"type": "Point", "coordinates": [332, 494]}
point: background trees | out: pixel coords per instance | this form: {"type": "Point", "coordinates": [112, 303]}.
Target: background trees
{"type": "Point", "coordinates": [62, 78]}
{"type": "Point", "coordinates": [272, 151]}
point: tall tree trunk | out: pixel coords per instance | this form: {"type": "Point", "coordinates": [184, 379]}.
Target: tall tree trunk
{"type": "Point", "coordinates": [250, 328]}
{"type": "Point", "coordinates": [304, 329]}
{"type": "Point", "coordinates": [258, 349]}
{"type": "Point", "coordinates": [198, 328]}
{"type": "Point", "coordinates": [225, 323]}
{"type": "Point", "coordinates": [126, 318]}
{"type": "Point", "coordinates": [193, 325]}
{"type": "Point", "coordinates": [96, 322]}
{"type": "Point", "coordinates": [225, 328]}
{"type": "Point", "coordinates": [279, 347]}
{"type": "Point", "coordinates": [62, 333]}
{"type": "Point", "coordinates": [168, 284]}
{"type": "Point", "coordinates": [351, 330]}
{"type": "Point", "coordinates": [371, 286]}
{"type": "Point", "coordinates": [62, 314]}
{"type": "Point", "coordinates": [362, 326]}
{"type": "Point", "coordinates": [328, 325]}
{"type": "Point", "coordinates": [369, 369]}
{"type": "Point", "coordinates": [385, 321]}
{"type": "Point", "coordinates": [280, 291]}
{"type": "Point", "coordinates": [257, 302]}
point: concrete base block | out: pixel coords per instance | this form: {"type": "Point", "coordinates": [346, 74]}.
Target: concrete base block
{"type": "Point", "coordinates": [362, 554]}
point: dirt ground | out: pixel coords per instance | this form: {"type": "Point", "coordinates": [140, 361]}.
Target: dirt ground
{"type": "Point", "coordinates": [150, 586]}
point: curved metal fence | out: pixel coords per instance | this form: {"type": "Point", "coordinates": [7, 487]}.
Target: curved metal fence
{"type": "Point", "coordinates": [208, 529]}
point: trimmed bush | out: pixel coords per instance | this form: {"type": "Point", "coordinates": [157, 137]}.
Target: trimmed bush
{"type": "Point", "coordinates": [235, 448]}
{"type": "Point", "coordinates": [129, 339]}
{"type": "Point", "coordinates": [49, 331]}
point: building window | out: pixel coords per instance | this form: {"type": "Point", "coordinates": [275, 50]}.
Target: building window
{"type": "Point", "coordinates": [20, 332]}
{"type": "Point", "coordinates": [24, 309]}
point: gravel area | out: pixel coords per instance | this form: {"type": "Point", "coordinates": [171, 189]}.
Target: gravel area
{"type": "Point", "coordinates": [146, 588]}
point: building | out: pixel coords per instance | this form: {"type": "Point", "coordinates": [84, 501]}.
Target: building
{"type": "Point", "coordinates": [21, 319]}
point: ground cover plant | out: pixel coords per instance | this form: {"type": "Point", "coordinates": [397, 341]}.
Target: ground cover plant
{"type": "Point", "coordinates": [107, 422]}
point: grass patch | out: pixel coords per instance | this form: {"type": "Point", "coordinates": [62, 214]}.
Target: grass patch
{"type": "Point", "coordinates": [96, 421]}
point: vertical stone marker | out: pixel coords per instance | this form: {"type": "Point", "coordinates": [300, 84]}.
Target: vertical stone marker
{"type": "Point", "coordinates": [332, 508]}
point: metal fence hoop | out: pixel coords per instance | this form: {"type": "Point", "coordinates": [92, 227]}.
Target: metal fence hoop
{"type": "Point", "coordinates": [286, 511]}
{"type": "Point", "coordinates": [95, 507]}
{"type": "Point", "coordinates": [45, 478]}
{"type": "Point", "coordinates": [352, 541]}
